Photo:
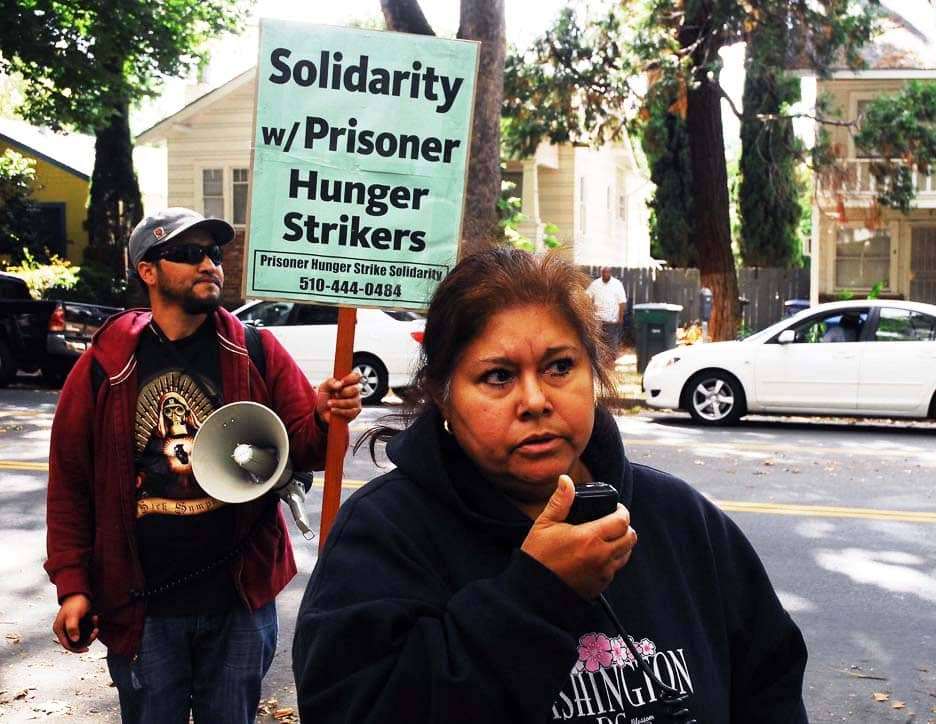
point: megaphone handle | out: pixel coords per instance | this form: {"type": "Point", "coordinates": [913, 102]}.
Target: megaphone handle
{"type": "Point", "coordinates": [306, 479]}
{"type": "Point", "coordinates": [294, 495]}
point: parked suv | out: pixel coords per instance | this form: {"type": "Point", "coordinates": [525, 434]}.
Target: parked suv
{"type": "Point", "coordinates": [43, 335]}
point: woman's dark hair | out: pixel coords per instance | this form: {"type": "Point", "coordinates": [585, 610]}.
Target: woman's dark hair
{"type": "Point", "coordinates": [479, 287]}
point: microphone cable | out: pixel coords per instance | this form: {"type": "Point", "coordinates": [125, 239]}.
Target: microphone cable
{"type": "Point", "coordinates": [674, 702]}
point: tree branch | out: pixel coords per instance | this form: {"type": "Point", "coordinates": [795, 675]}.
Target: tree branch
{"type": "Point", "coordinates": [405, 16]}
{"type": "Point", "coordinates": [770, 117]}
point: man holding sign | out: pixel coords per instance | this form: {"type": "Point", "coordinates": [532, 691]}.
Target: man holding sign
{"type": "Point", "coordinates": [180, 586]}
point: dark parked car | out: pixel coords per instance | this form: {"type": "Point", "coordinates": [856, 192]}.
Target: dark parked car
{"type": "Point", "coordinates": [43, 335]}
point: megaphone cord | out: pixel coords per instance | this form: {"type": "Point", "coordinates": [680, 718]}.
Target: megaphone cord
{"type": "Point", "coordinates": [187, 577]}
{"type": "Point", "coordinates": [672, 699]}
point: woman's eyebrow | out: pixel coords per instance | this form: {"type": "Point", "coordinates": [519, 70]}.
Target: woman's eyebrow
{"type": "Point", "coordinates": [550, 351]}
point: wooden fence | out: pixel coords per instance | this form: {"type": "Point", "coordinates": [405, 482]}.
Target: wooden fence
{"type": "Point", "coordinates": [764, 289]}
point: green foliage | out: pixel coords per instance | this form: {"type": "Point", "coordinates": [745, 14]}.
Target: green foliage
{"type": "Point", "coordinates": [84, 62]}
{"type": "Point", "coordinates": [81, 60]}
{"type": "Point", "coordinates": [901, 130]}
{"type": "Point", "coordinates": [41, 277]}
{"type": "Point", "coordinates": [770, 195]}
{"type": "Point", "coordinates": [875, 292]}
{"type": "Point", "coordinates": [19, 214]}
{"type": "Point", "coordinates": [665, 142]}
{"type": "Point", "coordinates": [573, 85]}
{"type": "Point", "coordinates": [58, 279]}
{"type": "Point", "coordinates": [94, 284]}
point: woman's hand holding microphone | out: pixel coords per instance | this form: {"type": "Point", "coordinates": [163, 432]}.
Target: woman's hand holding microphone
{"type": "Point", "coordinates": [585, 556]}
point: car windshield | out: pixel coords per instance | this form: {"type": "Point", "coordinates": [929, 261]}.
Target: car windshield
{"type": "Point", "coordinates": [268, 314]}
{"type": "Point", "coordinates": [402, 316]}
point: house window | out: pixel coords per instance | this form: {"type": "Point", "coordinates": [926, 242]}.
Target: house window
{"type": "Point", "coordinates": [621, 194]}
{"type": "Point", "coordinates": [582, 208]}
{"type": "Point", "coordinates": [213, 192]}
{"type": "Point", "coordinates": [862, 258]}
{"type": "Point", "coordinates": [239, 196]}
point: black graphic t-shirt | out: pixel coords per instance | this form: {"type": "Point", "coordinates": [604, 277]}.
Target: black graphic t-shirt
{"type": "Point", "coordinates": [179, 527]}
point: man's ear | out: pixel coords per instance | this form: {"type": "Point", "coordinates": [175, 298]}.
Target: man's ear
{"type": "Point", "coordinates": [146, 270]}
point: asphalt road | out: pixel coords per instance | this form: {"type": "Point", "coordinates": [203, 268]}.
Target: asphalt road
{"type": "Point", "coordinates": [843, 514]}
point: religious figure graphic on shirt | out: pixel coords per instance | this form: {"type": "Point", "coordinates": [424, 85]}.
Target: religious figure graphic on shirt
{"type": "Point", "coordinates": [170, 409]}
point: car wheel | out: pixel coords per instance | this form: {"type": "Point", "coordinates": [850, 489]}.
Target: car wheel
{"type": "Point", "coordinates": [53, 377]}
{"type": "Point", "coordinates": [7, 365]}
{"type": "Point", "coordinates": [715, 397]}
{"type": "Point", "coordinates": [374, 379]}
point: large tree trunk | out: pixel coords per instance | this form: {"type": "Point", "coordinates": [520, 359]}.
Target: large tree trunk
{"type": "Point", "coordinates": [711, 230]}
{"type": "Point", "coordinates": [484, 20]}
{"type": "Point", "coordinates": [405, 16]}
{"type": "Point", "coordinates": [115, 206]}
{"type": "Point", "coordinates": [481, 20]}
{"type": "Point", "coordinates": [711, 227]}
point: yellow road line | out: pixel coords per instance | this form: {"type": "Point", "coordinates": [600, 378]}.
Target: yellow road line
{"type": "Point", "coordinates": [826, 511]}
{"type": "Point", "coordinates": [776, 449]}
{"type": "Point", "coordinates": [731, 506]}
{"type": "Point", "coordinates": [23, 465]}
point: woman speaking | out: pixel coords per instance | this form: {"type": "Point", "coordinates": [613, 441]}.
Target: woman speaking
{"type": "Point", "coordinates": [453, 589]}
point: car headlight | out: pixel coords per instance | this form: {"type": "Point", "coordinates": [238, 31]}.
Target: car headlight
{"type": "Point", "coordinates": [660, 361]}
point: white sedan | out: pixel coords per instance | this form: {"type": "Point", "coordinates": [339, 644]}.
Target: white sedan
{"type": "Point", "coordinates": [386, 344]}
{"type": "Point", "coordinates": [873, 358]}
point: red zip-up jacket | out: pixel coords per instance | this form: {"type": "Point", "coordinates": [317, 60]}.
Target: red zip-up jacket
{"type": "Point", "coordinates": [91, 502]}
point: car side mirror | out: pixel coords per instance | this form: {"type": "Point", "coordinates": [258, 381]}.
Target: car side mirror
{"type": "Point", "coordinates": [787, 336]}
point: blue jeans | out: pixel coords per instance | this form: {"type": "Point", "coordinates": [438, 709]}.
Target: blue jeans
{"type": "Point", "coordinates": [210, 666]}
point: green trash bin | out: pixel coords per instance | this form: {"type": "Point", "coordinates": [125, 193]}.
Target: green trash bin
{"type": "Point", "coordinates": [655, 326]}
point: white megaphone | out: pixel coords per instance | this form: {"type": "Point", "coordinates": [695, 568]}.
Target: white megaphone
{"type": "Point", "coordinates": [241, 452]}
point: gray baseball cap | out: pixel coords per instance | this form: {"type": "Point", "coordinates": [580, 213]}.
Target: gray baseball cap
{"type": "Point", "coordinates": [167, 224]}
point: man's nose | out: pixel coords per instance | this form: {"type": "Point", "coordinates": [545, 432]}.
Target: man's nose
{"type": "Point", "coordinates": [207, 265]}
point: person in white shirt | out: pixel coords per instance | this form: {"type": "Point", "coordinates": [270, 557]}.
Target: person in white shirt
{"type": "Point", "coordinates": [610, 300]}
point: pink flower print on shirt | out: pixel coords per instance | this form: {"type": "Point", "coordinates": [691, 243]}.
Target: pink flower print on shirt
{"type": "Point", "coordinates": [646, 647]}
{"type": "Point", "coordinates": [619, 652]}
{"type": "Point", "coordinates": [595, 651]}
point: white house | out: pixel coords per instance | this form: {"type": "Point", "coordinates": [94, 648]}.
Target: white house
{"type": "Point", "coordinates": [853, 247]}
{"type": "Point", "coordinates": [597, 197]}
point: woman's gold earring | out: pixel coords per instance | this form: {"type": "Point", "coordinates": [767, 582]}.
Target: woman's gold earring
{"type": "Point", "coordinates": [445, 426]}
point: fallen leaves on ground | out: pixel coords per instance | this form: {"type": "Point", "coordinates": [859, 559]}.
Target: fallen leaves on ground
{"type": "Point", "coordinates": [6, 697]}
{"type": "Point", "coordinates": [54, 708]}
{"type": "Point", "coordinates": [880, 696]}
{"type": "Point", "coordinates": [271, 708]}
{"type": "Point", "coordinates": [14, 638]}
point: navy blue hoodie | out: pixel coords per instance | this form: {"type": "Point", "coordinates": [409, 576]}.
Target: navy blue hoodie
{"type": "Point", "coordinates": [422, 609]}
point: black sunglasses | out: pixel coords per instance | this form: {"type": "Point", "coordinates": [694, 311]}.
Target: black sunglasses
{"type": "Point", "coordinates": [188, 254]}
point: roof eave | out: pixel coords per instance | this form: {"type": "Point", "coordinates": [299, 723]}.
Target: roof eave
{"type": "Point", "coordinates": [159, 131]}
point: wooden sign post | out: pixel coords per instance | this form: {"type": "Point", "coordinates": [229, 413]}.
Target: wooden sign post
{"type": "Point", "coordinates": [338, 428]}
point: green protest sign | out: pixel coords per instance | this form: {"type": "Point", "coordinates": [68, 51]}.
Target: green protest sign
{"type": "Point", "coordinates": [360, 155]}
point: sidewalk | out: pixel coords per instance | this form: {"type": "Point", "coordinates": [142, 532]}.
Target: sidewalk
{"type": "Point", "coordinates": [627, 383]}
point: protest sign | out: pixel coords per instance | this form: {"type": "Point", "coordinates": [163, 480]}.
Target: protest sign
{"type": "Point", "coordinates": [359, 164]}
